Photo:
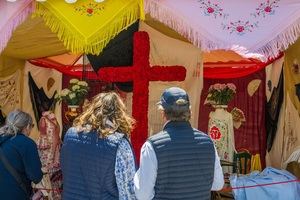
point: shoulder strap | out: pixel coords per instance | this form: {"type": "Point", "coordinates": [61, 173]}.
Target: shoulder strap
{"type": "Point", "coordinates": [12, 171]}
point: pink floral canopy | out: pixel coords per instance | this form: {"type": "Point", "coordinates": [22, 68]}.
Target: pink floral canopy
{"type": "Point", "coordinates": [255, 26]}
{"type": "Point", "coordinates": [11, 15]}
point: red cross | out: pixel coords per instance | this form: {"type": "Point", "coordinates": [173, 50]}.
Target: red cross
{"type": "Point", "coordinates": [141, 73]}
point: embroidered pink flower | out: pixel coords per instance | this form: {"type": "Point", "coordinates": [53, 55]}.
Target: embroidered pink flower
{"type": "Point", "coordinates": [215, 133]}
{"type": "Point", "coordinates": [268, 9]}
{"type": "Point", "coordinates": [240, 28]}
{"type": "Point", "coordinates": [210, 10]}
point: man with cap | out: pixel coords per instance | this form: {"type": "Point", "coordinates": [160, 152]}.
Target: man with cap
{"type": "Point", "coordinates": [179, 162]}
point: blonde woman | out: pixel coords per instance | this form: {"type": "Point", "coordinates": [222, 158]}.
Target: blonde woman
{"type": "Point", "coordinates": [20, 153]}
{"type": "Point", "coordinates": [96, 157]}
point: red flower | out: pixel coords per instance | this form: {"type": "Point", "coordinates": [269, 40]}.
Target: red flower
{"type": "Point", "coordinates": [268, 9]}
{"type": "Point", "coordinates": [240, 29]}
{"type": "Point", "coordinates": [89, 10]}
{"type": "Point", "coordinates": [215, 133]}
{"type": "Point", "coordinates": [210, 10]}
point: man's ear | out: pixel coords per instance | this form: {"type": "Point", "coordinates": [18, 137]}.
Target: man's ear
{"type": "Point", "coordinates": [163, 115]}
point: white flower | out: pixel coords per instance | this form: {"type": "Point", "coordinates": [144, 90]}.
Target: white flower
{"type": "Point", "coordinates": [74, 80]}
{"type": "Point", "coordinates": [75, 87]}
{"type": "Point", "coordinates": [56, 96]}
{"type": "Point", "coordinates": [72, 95]}
{"type": "Point", "coordinates": [65, 92]}
{"type": "Point", "coordinates": [82, 83]}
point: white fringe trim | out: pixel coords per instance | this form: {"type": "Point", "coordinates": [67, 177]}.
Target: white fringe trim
{"type": "Point", "coordinates": [270, 49]}
{"type": "Point", "coordinates": [12, 25]}
{"type": "Point", "coordinates": [282, 41]}
{"type": "Point", "coordinates": [182, 26]}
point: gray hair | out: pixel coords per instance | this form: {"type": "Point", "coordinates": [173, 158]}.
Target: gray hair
{"type": "Point", "coordinates": [183, 114]}
{"type": "Point", "coordinates": [15, 122]}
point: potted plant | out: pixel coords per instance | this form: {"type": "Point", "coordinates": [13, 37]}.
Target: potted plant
{"type": "Point", "coordinates": [73, 96]}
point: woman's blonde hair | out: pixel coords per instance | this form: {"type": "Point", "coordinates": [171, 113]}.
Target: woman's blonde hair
{"type": "Point", "coordinates": [15, 122]}
{"type": "Point", "coordinates": [106, 113]}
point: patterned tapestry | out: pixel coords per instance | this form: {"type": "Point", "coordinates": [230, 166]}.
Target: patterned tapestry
{"type": "Point", "coordinates": [10, 93]}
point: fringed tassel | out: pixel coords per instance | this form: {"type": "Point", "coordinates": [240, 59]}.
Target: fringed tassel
{"type": "Point", "coordinates": [76, 43]}
{"type": "Point", "coordinates": [12, 25]}
{"type": "Point", "coordinates": [282, 41]}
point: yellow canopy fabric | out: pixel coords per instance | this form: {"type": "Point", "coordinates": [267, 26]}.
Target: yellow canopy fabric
{"type": "Point", "coordinates": [8, 65]}
{"type": "Point", "coordinates": [33, 39]}
{"type": "Point", "coordinates": [87, 26]}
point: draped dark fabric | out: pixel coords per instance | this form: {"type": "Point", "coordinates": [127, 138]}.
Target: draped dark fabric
{"type": "Point", "coordinates": [298, 90]}
{"type": "Point", "coordinates": [2, 118]}
{"type": "Point", "coordinates": [40, 101]}
{"type": "Point", "coordinates": [118, 52]}
{"type": "Point", "coordinates": [252, 133]}
{"type": "Point", "coordinates": [273, 107]}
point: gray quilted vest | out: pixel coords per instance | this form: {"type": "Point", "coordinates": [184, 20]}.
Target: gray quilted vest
{"type": "Point", "coordinates": [186, 160]}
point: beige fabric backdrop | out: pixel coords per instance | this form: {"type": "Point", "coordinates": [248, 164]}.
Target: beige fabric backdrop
{"type": "Point", "coordinates": [40, 76]}
{"type": "Point", "coordinates": [168, 51]}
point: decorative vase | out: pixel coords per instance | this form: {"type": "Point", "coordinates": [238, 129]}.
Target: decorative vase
{"type": "Point", "coordinates": [72, 113]}
{"type": "Point", "coordinates": [217, 106]}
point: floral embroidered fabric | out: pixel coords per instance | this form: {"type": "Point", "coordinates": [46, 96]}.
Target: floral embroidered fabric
{"type": "Point", "coordinates": [49, 148]}
{"type": "Point", "coordinates": [220, 129]}
{"type": "Point", "coordinates": [125, 170]}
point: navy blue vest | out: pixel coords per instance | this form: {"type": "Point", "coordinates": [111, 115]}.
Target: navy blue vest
{"type": "Point", "coordinates": [186, 160]}
{"type": "Point", "coordinates": [88, 165]}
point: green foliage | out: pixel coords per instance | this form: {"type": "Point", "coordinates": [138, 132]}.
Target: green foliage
{"type": "Point", "coordinates": [220, 94]}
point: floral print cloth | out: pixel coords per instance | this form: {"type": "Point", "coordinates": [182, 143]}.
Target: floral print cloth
{"type": "Point", "coordinates": [125, 170]}
{"type": "Point", "coordinates": [220, 129]}
{"type": "Point", "coordinates": [49, 148]}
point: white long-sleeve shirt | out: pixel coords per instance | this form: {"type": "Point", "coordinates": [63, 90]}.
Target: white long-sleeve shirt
{"type": "Point", "coordinates": [145, 177]}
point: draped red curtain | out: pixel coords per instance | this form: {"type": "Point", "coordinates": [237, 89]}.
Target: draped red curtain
{"type": "Point", "coordinates": [226, 70]}
{"type": "Point", "coordinates": [251, 135]}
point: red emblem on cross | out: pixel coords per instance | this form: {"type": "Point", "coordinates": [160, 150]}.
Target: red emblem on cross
{"type": "Point", "coordinates": [141, 73]}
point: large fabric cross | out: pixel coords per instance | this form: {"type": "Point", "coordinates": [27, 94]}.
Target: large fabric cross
{"type": "Point", "coordinates": [141, 73]}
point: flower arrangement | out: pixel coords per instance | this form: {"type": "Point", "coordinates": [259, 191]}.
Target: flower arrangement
{"type": "Point", "coordinates": [74, 94]}
{"type": "Point", "coordinates": [220, 94]}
